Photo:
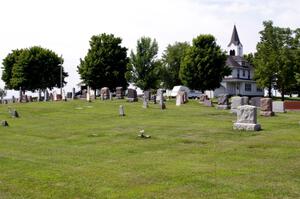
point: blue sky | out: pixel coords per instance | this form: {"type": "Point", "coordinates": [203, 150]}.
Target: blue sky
{"type": "Point", "coordinates": [66, 26]}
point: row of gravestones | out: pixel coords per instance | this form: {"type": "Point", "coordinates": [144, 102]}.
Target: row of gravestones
{"type": "Point", "coordinates": [246, 114]}
{"type": "Point", "coordinates": [267, 106]}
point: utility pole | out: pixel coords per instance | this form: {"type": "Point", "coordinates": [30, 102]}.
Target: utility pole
{"type": "Point", "coordinates": [61, 80]}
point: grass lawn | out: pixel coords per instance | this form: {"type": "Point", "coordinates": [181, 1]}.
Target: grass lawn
{"type": "Point", "coordinates": [85, 150]}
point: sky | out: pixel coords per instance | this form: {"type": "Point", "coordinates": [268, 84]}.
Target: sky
{"type": "Point", "coordinates": [66, 26]}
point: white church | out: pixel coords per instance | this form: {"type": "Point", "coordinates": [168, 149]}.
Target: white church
{"type": "Point", "coordinates": [241, 81]}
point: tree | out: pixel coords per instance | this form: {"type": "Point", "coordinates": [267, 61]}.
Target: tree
{"type": "Point", "coordinates": [276, 58]}
{"type": "Point", "coordinates": [204, 67]}
{"type": "Point", "coordinates": [143, 68]}
{"type": "Point", "coordinates": [2, 94]}
{"type": "Point", "coordinates": [250, 58]}
{"type": "Point", "coordinates": [171, 61]}
{"type": "Point", "coordinates": [105, 63]}
{"type": "Point", "coordinates": [32, 68]}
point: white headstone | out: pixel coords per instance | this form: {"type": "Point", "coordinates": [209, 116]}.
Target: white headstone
{"type": "Point", "coordinates": [246, 119]}
{"type": "Point", "coordinates": [278, 107]}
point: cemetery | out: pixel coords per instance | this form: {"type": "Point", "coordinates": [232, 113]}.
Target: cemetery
{"type": "Point", "coordinates": [81, 149]}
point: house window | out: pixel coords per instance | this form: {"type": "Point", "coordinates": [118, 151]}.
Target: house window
{"type": "Point", "coordinates": [248, 87]}
{"type": "Point", "coordinates": [238, 73]}
{"type": "Point", "coordinates": [244, 74]}
{"type": "Point", "coordinates": [259, 89]}
{"type": "Point", "coordinates": [249, 74]}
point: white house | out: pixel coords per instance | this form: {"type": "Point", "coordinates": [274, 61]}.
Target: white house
{"type": "Point", "coordinates": [240, 82]}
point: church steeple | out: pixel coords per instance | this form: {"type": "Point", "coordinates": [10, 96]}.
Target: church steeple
{"type": "Point", "coordinates": [235, 45]}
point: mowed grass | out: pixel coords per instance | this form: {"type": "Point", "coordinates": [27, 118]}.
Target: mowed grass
{"type": "Point", "coordinates": [81, 150]}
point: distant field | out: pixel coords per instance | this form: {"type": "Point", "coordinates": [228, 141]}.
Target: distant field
{"type": "Point", "coordinates": [85, 150]}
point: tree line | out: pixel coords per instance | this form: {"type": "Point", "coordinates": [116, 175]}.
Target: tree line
{"type": "Point", "coordinates": [200, 65]}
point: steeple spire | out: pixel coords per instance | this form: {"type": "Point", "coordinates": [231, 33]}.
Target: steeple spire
{"type": "Point", "coordinates": [235, 38]}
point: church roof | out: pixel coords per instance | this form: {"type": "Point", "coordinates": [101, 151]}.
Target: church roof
{"type": "Point", "coordinates": [234, 38]}
{"type": "Point", "coordinates": [237, 61]}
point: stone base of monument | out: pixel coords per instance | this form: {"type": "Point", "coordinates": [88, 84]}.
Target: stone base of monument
{"type": "Point", "coordinates": [223, 107]}
{"type": "Point", "coordinates": [246, 127]}
{"type": "Point", "coordinates": [233, 110]}
{"type": "Point", "coordinates": [267, 113]}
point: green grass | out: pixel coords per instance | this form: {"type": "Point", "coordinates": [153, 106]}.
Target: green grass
{"type": "Point", "coordinates": [85, 150]}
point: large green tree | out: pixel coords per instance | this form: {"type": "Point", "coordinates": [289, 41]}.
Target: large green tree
{"type": "Point", "coordinates": [171, 62]}
{"type": "Point", "coordinates": [276, 58]}
{"type": "Point", "coordinates": [105, 64]}
{"type": "Point", "coordinates": [32, 69]}
{"type": "Point", "coordinates": [203, 66]}
{"type": "Point", "coordinates": [143, 68]}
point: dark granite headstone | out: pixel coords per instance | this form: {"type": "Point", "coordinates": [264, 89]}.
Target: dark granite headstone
{"type": "Point", "coordinates": [223, 101]}
{"type": "Point", "coordinates": [161, 102]}
{"type": "Point", "coordinates": [119, 93]}
{"type": "Point", "coordinates": [132, 95]}
{"type": "Point", "coordinates": [4, 123]}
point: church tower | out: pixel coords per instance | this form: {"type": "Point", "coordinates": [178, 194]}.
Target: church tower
{"type": "Point", "coordinates": [235, 47]}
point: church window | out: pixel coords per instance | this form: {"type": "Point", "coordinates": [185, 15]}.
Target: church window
{"type": "Point", "coordinates": [248, 87]}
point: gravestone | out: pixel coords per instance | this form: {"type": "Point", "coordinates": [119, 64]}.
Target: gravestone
{"type": "Point", "coordinates": [245, 100]}
{"type": "Point", "coordinates": [158, 94]}
{"type": "Point", "coordinates": [246, 119]}
{"type": "Point", "coordinates": [104, 92]}
{"type": "Point", "coordinates": [223, 101]}
{"type": "Point", "coordinates": [110, 96]}
{"type": "Point", "coordinates": [58, 97]}
{"type": "Point", "coordinates": [154, 99]}
{"type": "Point", "coordinates": [69, 95]}
{"type": "Point", "coordinates": [121, 110]}
{"type": "Point", "coordinates": [63, 96]}
{"type": "Point", "coordinates": [14, 113]}
{"type": "Point", "coordinates": [13, 99]}
{"type": "Point", "coordinates": [255, 101]}
{"type": "Point", "coordinates": [161, 102]}
{"type": "Point", "coordinates": [39, 95]}
{"type": "Point", "coordinates": [185, 97]}
{"type": "Point", "coordinates": [266, 107]}
{"type": "Point", "coordinates": [179, 98]}
{"type": "Point", "coordinates": [202, 98]}
{"type": "Point", "coordinates": [278, 107]}
{"type": "Point", "coordinates": [25, 99]}
{"type": "Point", "coordinates": [147, 95]}
{"type": "Point", "coordinates": [208, 103]}
{"type": "Point", "coordinates": [4, 123]}
{"type": "Point", "coordinates": [145, 102]}
{"type": "Point", "coordinates": [236, 102]}
{"type": "Point", "coordinates": [132, 95]}
{"type": "Point", "coordinates": [119, 93]}
{"type": "Point", "coordinates": [88, 94]}
{"type": "Point", "coordinates": [47, 96]}
{"type": "Point", "coordinates": [73, 93]}
{"type": "Point", "coordinates": [51, 97]}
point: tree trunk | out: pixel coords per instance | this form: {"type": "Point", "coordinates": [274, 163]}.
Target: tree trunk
{"type": "Point", "coordinates": [95, 94]}
{"type": "Point", "coordinates": [270, 91]}
{"type": "Point", "coordinates": [282, 94]}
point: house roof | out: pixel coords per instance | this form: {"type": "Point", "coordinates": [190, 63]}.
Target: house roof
{"type": "Point", "coordinates": [235, 38]}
